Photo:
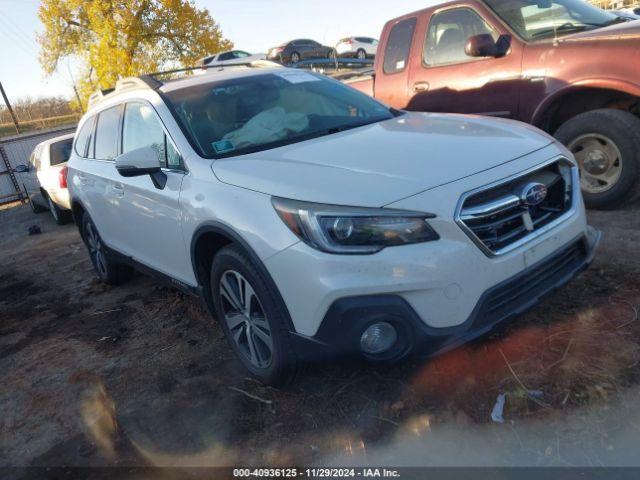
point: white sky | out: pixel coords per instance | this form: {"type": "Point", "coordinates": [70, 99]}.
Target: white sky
{"type": "Point", "coordinates": [253, 25]}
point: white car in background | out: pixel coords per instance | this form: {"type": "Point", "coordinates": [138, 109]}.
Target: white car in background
{"type": "Point", "coordinates": [359, 47]}
{"type": "Point", "coordinates": [231, 57]}
{"type": "Point", "coordinates": [315, 221]}
{"type": "Point", "coordinates": [49, 162]}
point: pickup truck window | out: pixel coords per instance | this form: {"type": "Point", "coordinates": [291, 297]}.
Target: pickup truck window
{"type": "Point", "coordinates": [537, 19]}
{"type": "Point", "coordinates": [396, 54]}
{"type": "Point", "coordinates": [448, 34]}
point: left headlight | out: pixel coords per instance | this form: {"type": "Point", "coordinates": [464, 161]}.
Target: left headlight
{"type": "Point", "coordinates": [352, 230]}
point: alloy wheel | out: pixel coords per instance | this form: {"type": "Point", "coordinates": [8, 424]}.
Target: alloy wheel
{"type": "Point", "coordinates": [96, 251]}
{"type": "Point", "coordinates": [245, 318]}
{"type": "Point", "coordinates": [600, 162]}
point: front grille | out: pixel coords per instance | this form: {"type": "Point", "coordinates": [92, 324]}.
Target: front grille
{"type": "Point", "coordinates": [501, 216]}
{"type": "Point", "coordinates": [518, 294]}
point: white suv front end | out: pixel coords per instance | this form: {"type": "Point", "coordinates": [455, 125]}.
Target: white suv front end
{"type": "Point", "coordinates": [313, 220]}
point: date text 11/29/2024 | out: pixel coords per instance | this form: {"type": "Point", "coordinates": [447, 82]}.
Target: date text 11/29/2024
{"type": "Point", "coordinates": [368, 472]}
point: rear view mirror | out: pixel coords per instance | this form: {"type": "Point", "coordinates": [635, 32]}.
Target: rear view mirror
{"type": "Point", "coordinates": [21, 169]}
{"type": "Point", "coordinates": [482, 45]}
{"type": "Point", "coordinates": [142, 161]}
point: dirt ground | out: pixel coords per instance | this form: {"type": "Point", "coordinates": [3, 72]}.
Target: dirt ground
{"type": "Point", "coordinates": [142, 375]}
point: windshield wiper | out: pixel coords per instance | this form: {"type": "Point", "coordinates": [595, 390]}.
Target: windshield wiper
{"type": "Point", "coordinates": [614, 21]}
{"type": "Point", "coordinates": [563, 28]}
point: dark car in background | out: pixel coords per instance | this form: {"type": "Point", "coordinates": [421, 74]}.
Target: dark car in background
{"type": "Point", "coordinates": [300, 49]}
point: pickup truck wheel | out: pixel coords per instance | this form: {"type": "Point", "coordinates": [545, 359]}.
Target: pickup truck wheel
{"type": "Point", "coordinates": [108, 270]}
{"type": "Point", "coordinates": [59, 215]}
{"type": "Point", "coordinates": [361, 54]}
{"type": "Point", "coordinates": [251, 316]}
{"type": "Point", "coordinates": [606, 144]}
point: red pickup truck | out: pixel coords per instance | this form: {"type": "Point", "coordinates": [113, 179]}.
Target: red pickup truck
{"type": "Point", "coordinates": [564, 66]}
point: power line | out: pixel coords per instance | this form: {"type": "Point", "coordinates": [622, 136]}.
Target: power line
{"type": "Point", "coordinates": [17, 40]}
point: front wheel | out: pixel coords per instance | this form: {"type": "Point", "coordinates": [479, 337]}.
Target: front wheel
{"type": "Point", "coordinates": [252, 317]}
{"type": "Point", "coordinates": [606, 144]}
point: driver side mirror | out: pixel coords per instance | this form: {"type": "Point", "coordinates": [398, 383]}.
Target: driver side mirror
{"type": "Point", "coordinates": [142, 161]}
{"type": "Point", "coordinates": [482, 45]}
{"type": "Point", "coordinates": [21, 169]}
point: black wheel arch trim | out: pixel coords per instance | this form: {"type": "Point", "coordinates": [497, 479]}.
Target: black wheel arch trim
{"type": "Point", "coordinates": [225, 230]}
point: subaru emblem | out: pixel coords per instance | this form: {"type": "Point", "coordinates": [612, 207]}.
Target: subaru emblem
{"type": "Point", "coordinates": [533, 194]}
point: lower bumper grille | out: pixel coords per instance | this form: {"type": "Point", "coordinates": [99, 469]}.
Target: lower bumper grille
{"type": "Point", "coordinates": [520, 293]}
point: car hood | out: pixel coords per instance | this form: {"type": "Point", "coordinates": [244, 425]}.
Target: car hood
{"type": "Point", "coordinates": [619, 30]}
{"type": "Point", "coordinates": [380, 163]}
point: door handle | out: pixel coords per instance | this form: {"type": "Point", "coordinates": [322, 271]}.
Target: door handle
{"type": "Point", "coordinates": [421, 86]}
{"type": "Point", "coordinates": [118, 188]}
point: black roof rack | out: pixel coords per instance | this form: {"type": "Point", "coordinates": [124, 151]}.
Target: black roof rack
{"type": "Point", "coordinates": [153, 82]}
{"type": "Point", "coordinates": [150, 80]}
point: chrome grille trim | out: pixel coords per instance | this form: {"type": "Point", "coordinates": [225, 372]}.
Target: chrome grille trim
{"type": "Point", "coordinates": [507, 202]}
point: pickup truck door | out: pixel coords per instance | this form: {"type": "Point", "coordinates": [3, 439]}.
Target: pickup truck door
{"type": "Point", "coordinates": [443, 78]}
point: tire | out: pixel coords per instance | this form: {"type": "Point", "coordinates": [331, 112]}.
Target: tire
{"type": "Point", "coordinates": [108, 271]}
{"type": "Point", "coordinates": [60, 216]}
{"type": "Point", "coordinates": [294, 58]}
{"type": "Point", "coordinates": [595, 138]}
{"type": "Point", "coordinates": [35, 206]}
{"type": "Point", "coordinates": [361, 54]}
{"type": "Point", "coordinates": [256, 330]}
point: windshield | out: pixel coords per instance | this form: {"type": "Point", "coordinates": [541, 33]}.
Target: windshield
{"type": "Point", "coordinates": [534, 20]}
{"type": "Point", "coordinates": [259, 112]}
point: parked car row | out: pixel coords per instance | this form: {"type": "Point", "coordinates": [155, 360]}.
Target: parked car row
{"type": "Point", "coordinates": [297, 50]}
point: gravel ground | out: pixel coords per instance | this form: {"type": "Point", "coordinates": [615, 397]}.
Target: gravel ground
{"type": "Point", "coordinates": [141, 375]}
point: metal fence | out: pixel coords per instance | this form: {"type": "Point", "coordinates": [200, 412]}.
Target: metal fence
{"type": "Point", "coordinates": [15, 151]}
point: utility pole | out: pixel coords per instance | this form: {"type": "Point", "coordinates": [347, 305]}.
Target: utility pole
{"type": "Point", "coordinates": [6, 102]}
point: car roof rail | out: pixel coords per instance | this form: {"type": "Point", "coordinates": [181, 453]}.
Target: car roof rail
{"type": "Point", "coordinates": [98, 95]}
{"type": "Point", "coordinates": [219, 66]}
{"type": "Point", "coordinates": [151, 81]}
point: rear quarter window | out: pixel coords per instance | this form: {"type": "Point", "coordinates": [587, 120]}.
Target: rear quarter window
{"type": "Point", "coordinates": [106, 137]}
{"type": "Point", "coordinates": [396, 53]}
{"type": "Point", "coordinates": [80, 145]}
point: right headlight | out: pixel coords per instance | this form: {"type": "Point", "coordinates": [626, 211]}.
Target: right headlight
{"type": "Point", "coordinates": [353, 230]}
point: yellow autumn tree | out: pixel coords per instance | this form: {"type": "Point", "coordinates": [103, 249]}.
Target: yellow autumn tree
{"type": "Point", "coordinates": [111, 39]}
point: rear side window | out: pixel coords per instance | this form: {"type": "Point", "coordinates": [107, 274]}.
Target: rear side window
{"type": "Point", "coordinates": [60, 152]}
{"type": "Point", "coordinates": [106, 137]}
{"type": "Point", "coordinates": [396, 53]}
{"type": "Point", "coordinates": [83, 136]}
{"type": "Point", "coordinates": [142, 128]}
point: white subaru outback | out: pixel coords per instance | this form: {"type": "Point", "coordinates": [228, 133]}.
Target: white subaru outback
{"type": "Point", "coordinates": [314, 220]}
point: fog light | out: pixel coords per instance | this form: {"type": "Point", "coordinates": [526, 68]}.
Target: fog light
{"type": "Point", "coordinates": [378, 338]}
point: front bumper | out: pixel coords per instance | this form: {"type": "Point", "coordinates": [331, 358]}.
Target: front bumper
{"type": "Point", "coordinates": [347, 318]}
